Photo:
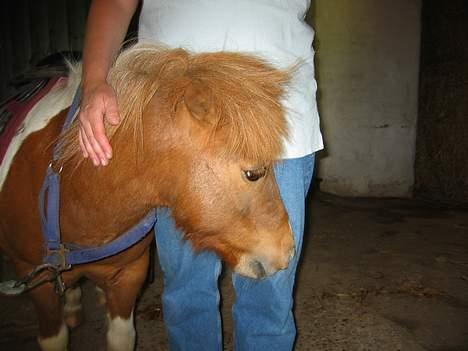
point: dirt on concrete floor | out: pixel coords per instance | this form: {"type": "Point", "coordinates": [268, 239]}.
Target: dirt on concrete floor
{"type": "Point", "coordinates": [375, 275]}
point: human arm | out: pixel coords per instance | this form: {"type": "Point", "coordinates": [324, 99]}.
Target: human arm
{"type": "Point", "coordinates": [108, 21]}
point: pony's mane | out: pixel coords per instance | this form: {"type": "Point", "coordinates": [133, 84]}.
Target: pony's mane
{"type": "Point", "coordinates": [246, 93]}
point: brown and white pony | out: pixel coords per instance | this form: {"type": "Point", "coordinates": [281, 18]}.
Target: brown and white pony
{"type": "Point", "coordinates": [199, 134]}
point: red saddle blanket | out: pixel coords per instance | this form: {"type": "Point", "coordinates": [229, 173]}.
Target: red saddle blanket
{"type": "Point", "coordinates": [18, 110]}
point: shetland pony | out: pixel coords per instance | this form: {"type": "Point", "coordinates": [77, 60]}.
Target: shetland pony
{"type": "Point", "coordinates": [198, 134]}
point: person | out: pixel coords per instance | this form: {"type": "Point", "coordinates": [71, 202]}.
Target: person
{"type": "Point", "coordinates": [275, 30]}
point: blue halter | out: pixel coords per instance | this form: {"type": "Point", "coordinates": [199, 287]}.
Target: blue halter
{"type": "Point", "coordinates": [63, 255]}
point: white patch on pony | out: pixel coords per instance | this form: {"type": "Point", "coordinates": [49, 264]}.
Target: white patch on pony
{"type": "Point", "coordinates": [56, 100]}
{"type": "Point", "coordinates": [72, 310]}
{"type": "Point", "coordinates": [58, 342]}
{"type": "Point", "coordinates": [72, 300]}
{"type": "Point", "coordinates": [100, 296]}
{"type": "Point", "coordinates": [121, 334]}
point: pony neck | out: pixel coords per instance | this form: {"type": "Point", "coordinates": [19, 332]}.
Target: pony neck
{"type": "Point", "coordinates": [100, 203]}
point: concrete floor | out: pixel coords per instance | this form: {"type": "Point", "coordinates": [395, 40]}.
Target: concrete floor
{"type": "Point", "coordinates": [375, 275]}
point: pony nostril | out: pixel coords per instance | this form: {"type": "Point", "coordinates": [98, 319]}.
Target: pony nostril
{"type": "Point", "coordinates": [257, 269]}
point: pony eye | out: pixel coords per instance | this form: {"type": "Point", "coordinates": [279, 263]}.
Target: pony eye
{"type": "Point", "coordinates": [253, 175]}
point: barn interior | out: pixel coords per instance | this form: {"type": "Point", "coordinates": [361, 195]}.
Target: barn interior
{"type": "Point", "coordinates": [385, 260]}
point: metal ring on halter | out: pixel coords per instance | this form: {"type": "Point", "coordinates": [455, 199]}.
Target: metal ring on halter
{"type": "Point", "coordinates": [51, 166]}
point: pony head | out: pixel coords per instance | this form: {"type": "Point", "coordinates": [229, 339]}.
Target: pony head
{"type": "Point", "coordinates": [205, 131]}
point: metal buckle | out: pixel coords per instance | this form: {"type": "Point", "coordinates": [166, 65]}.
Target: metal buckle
{"type": "Point", "coordinates": [59, 258]}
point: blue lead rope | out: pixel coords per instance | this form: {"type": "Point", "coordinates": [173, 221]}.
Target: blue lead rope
{"type": "Point", "coordinates": [63, 255]}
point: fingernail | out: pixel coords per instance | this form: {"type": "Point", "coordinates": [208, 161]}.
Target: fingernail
{"type": "Point", "coordinates": [104, 162]}
{"type": "Point", "coordinates": [95, 162]}
{"type": "Point", "coordinates": [108, 155]}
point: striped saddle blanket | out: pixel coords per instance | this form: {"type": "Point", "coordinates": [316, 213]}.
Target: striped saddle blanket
{"type": "Point", "coordinates": [14, 109]}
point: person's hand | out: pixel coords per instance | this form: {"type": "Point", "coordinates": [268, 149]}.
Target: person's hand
{"type": "Point", "coordinates": [98, 102]}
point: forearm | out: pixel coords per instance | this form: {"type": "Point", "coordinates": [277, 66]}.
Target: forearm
{"type": "Point", "coordinates": [107, 25]}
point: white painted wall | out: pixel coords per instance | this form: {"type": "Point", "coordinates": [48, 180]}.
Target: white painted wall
{"type": "Point", "coordinates": [367, 69]}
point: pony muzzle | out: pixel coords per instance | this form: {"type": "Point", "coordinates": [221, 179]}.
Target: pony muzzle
{"type": "Point", "coordinates": [260, 267]}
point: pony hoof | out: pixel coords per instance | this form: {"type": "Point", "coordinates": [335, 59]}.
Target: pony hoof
{"type": "Point", "coordinates": [74, 319]}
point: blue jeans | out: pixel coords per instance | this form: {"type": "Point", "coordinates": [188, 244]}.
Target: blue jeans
{"type": "Point", "coordinates": [262, 311]}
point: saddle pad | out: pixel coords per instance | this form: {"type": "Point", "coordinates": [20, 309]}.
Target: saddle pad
{"type": "Point", "coordinates": [18, 110]}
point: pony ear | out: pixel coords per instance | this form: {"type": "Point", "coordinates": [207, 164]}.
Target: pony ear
{"type": "Point", "coordinates": [198, 98]}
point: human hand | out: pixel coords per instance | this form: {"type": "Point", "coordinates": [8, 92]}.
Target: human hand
{"type": "Point", "coordinates": [98, 102]}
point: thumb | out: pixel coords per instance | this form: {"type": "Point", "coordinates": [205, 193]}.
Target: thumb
{"type": "Point", "coordinates": [112, 113]}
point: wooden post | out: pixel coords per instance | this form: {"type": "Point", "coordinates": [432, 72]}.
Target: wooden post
{"type": "Point", "coordinates": [77, 14]}
{"type": "Point", "coordinates": [40, 44]}
{"type": "Point", "coordinates": [6, 51]}
{"type": "Point", "coordinates": [20, 36]}
{"type": "Point", "coordinates": [58, 29]}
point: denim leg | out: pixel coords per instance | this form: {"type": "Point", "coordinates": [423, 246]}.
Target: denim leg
{"type": "Point", "coordinates": [262, 312]}
{"type": "Point", "coordinates": [190, 297]}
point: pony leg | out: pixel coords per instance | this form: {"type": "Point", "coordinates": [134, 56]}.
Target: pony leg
{"type": "Point", "coordinates": [121, 294]}
{"type": "Point", "coordinates": [121, 333]}
{"type": "Point", "coordinates": [57, 342]}
{"type": "Point", "coordinates": [53, 332]}
{"type": "Point", "coordinates": [73, 310]}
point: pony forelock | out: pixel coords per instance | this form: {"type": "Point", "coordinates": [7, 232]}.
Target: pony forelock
{"type": "Point", "coordinates": [246, 91]}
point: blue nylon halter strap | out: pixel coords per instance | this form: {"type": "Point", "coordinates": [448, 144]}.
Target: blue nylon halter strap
{"type": "Point", "coordinates": [63, 255]}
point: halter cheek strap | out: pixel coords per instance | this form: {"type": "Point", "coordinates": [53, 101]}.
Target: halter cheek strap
{"type": "Point", "coordinates": [64, 255]}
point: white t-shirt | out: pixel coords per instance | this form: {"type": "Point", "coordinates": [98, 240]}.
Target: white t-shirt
{"type": "Point", "coordinates": [273, 29]}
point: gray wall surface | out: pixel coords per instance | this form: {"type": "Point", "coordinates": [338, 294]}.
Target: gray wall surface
{"type": "Point", "coordinates": [367, 71]}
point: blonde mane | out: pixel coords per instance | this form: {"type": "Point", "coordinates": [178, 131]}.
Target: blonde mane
{"type": "Point", "coordinates": [246, 94]}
